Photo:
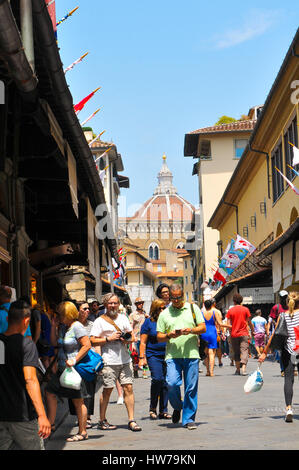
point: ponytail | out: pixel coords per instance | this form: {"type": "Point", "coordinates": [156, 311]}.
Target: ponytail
{"type": "Point", "coordinates": [293, 302]}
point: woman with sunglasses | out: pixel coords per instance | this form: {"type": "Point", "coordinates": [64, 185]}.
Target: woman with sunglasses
{"type": "Point", "coordinates": [153, 353]}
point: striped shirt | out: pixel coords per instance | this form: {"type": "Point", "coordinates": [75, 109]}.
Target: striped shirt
{"type": "Point", "coordinates": [291, 323]}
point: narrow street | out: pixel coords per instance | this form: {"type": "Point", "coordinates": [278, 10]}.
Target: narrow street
{"type": "Point", "coordinates": [227, 418]}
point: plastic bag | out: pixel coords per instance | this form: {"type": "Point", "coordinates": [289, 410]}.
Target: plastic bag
{"type": "Point", "coordinates": [70, 379]}
{"type": "Point", "coordinates": [254, 382]}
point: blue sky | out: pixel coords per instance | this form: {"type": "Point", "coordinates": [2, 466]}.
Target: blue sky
{"type": "Point", "coordinates": [168, 67]}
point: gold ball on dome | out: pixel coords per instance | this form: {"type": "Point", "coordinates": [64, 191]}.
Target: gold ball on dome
{"type": "Point", "coordinates": [164, 156]}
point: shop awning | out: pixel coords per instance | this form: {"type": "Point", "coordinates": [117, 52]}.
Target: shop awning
{"type": "Point", "coordinates": [292, 233]}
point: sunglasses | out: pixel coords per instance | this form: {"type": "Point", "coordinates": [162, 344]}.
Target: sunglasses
{"type": "Point", "coordinates": [85, 308]}
{"type": "Point", "coordinates": [177, 298]}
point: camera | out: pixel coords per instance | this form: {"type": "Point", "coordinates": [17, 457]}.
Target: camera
{"type": "Point", "coordinates": [126, 336]}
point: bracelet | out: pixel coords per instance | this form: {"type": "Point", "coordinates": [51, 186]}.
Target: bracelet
{"type": "Point", "coordinates": [141, 357]}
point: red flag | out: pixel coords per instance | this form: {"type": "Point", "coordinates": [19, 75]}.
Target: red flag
{"type": "Point", "coordinates": [219, 276]}
{"type": "Point", "coordinates": [82, 103]}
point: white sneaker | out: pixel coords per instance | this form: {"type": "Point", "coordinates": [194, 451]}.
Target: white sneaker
{"type": "Point", "coordinates": [289, 415]}
{"type": "Point", "coordinates": [120, 401]}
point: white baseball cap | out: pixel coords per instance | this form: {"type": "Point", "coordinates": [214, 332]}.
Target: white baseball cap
{"type": "Point", "coordinates": [283, 293]}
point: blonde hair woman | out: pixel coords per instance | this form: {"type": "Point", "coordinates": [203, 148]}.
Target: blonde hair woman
{"type": "Point", "coordinates": [288, 354]}
{"type": "Point", "coordinates": [69, 336]}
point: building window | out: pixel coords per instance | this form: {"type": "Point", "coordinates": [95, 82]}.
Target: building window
{"type": "Point", "coordinates": [186, 264]}
{"type": "Point", "coordinates": [186, 280]}
{"type": "Point", "coordinates": [153, 251]}
{"type": "Point", "coordinates": [277, 180]}
{"type": "Point", "coordinates": [205, 149]}
{"type": "Point", "coordinates": [240, 145]}
{"type": "Point", "coordinates": [291, 136]}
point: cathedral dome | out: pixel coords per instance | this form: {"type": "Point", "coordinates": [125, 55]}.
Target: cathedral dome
{"type": "Point", "coordinates": [165, 204]}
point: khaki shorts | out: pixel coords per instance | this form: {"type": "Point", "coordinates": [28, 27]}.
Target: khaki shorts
{"type": "Point", "coordinates": [123, 373]}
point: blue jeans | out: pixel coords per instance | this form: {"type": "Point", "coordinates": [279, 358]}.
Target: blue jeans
{"type": "Point", "coordinates": [176, 370]}
{"type": "Point", "coordinates": [159, 390]}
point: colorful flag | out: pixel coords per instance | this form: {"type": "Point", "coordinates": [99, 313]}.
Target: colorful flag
{"type": "Point", "coordinates": [90, 117]}
{"type": "Point", "coordinates": [242, 244]}
{"type": "Point", "coordinates": [220, 275]}
{"type": "Point", "coordinates": [70, 67]}
{"type": "Point", "coordinates": [66, 16]}
{"type": "Point", "coordinates": [295, 154]}
{"type": "Point", "coordinates": [78, 107]}
{"type": "Point", "coordinates": [296, 172]}
{"type": "Point", "coordinates": [296, 191]}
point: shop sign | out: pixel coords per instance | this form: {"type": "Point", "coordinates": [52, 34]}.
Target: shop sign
{"type": "Point", "coordinates": [257, 295]}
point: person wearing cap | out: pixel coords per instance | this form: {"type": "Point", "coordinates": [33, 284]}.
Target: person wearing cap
{"type": "Point", "coordinates": [137, 319]}
{"type": "Point", "coordinates": [276, 310]}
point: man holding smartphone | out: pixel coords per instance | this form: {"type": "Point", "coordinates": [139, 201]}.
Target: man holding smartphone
{"type": "Point", "coordinates": [179, 325]}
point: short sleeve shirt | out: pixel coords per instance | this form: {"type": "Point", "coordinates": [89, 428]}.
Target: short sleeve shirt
{"type": "Point", "coordinates": [153, 348]}
{"type": "Point", "coordinates": [113, 352]}
{"type": "Point", "coordinates": [137, 320]}
{"type": "Point", "coordinates": [19, 352]}
{"type": "Point", "coordinates": [259, 324]}
{"type": "Point", "coordinates": [68, 343]}
{"type": "Point", "coordinates": [4, 322]}
{"type": "Point", "coordinates": [185, 346]}
{"type": "Point", "coordinates": [238, 315]}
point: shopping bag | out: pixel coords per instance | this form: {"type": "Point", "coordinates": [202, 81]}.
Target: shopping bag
{"type": "Point", "coordinates": [90, 365]}
{"type": "Point", "coordinates": [254, 382]}
{"type": "Point", "coordinates": [70, 379]}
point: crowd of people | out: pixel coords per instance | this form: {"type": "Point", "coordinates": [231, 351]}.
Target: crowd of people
{"type": "Point", "coordinates": [171, 340]}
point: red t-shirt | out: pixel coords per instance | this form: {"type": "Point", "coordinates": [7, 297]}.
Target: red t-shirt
{"type": "Point", "coordinates": [238, 316]}
{"type": "Point", "coordinates": [276, 310]}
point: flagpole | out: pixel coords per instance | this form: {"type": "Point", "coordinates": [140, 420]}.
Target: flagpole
{"type": "Point", "coordinates": [90, 117]}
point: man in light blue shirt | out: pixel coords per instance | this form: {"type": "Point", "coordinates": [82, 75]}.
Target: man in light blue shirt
{"type": "Point", "coordinates": [5, 300]}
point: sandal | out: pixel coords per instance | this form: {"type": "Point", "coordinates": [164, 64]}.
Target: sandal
{"type": "Point", "coordinates": [77, 438]}
{"type": "Point", "coordinates": [134, 428]}
{"type": "Point", "coordinates": [164, 416]}
{"type": "Point", "coordinates": [105, 426]}
{"type": "Point", "coordinates": [153, 414]}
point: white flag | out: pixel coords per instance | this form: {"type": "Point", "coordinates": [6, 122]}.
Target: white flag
{"type": "Point", "coordinates": [295, 156]}
{"type": "Point", "coordinates": [242, 244]}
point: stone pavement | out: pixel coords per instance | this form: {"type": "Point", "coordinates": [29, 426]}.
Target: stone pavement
{"type": "Point", "coordinates": [227, 418]}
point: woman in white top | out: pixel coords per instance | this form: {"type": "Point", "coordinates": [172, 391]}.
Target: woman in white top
{"type": "Point", "coordinates": [288, 355]}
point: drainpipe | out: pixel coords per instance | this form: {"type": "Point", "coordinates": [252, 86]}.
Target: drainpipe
{"type": "Point", "coordinates": [237, 213]}
{"type": "Point", "coordinates": [268, 175]}
{"type": "Point", "coordinates": [27, 30]}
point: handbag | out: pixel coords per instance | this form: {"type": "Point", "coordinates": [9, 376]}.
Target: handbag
{"type": "Point", "coordinates": [280, 334]}
{"type": "Point", "coordinates": [70, 379]}
{"type": "Point", "coordinates": [90, 365]}
{"type": "Point", "coordinates": [202, 344]}
{"type": "Point", "coordinates": [43, 346]}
